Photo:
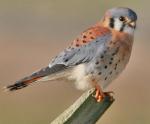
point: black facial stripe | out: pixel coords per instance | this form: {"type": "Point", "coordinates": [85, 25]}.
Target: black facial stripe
{"type": "Point", "coordinates": [122, 28]}
{"type": "Point", "coordinates": [111, 23]}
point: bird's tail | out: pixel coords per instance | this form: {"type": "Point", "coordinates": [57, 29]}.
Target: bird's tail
{"type": "Point", "coordinates": [37, 76]}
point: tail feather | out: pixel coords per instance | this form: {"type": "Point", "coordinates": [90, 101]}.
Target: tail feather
{"type": "Point", "coordinates": [16, 86]}
{"type": "Point", "coordinates": [35, 77]}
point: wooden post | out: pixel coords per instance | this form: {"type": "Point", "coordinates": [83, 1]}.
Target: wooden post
{"type": "Point", "coordinates": [86, 110]}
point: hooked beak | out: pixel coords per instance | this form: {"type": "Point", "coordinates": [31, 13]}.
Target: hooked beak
{"type": "Point", "coordinates": [132, 24]}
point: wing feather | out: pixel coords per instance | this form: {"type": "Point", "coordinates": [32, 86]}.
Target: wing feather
{"type": "Point", "coordinates": [82, 54]}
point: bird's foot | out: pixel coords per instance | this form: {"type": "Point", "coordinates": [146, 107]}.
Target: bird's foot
{"type": "Point", "coordinates": [99, 95]}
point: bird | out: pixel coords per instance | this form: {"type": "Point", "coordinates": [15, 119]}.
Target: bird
{"type": "Point", "coordinates": [95, 58]}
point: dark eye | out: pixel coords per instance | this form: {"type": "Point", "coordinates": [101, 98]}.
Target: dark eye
{"type": "Point", "coordinates": [121, 18]}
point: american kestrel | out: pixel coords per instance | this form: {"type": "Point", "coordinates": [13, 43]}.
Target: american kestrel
{"type": "Point", "coordinates": [95, 58]}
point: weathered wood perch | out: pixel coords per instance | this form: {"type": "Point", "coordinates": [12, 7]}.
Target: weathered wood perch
{"type": "Point", "coordinates": [86, 110]}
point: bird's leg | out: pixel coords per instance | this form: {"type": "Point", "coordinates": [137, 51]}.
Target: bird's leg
{"type": "Point", "coordinates": [99, 94]}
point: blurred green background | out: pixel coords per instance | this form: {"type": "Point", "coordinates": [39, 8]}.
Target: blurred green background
{"type": "Point", "coordinates": [33, 31]}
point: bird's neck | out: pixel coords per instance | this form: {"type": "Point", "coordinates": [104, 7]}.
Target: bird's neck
{"type": "Point", "coordinates": [122, 36]}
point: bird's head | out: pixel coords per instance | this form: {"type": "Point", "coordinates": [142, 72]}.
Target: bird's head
{"type": "Point", "coordinates": [120, 19]}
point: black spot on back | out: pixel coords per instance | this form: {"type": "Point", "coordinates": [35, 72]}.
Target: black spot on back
{"type": "Point", "coordinates": [97, 63]}
{"type": "Point", "coordinates": [99, 73]}
{"type": "Point", "coordinates": [66, 60]}
{"type": "Point", "coordinates": [112, 58]}
{"type": "Point", "coordinates": [77, 45]}
{"type": "Point", "coordinates": [105, 66]}
{"type": "Point", "coordinates": [102, 56]}
{"type": "Point", "coordinates": [110, 63]}
{"type": "Point", "coordinates": [84, 36]}
{"type": "Point", "coordinates": [92, 37]}
{"type": "Point", "coordinates": [84, 41]}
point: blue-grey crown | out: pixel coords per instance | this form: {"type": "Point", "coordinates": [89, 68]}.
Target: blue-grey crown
{"type": "Point", "coordinates": [122, 11]}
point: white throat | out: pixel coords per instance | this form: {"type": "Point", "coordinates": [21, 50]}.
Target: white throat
{"type": "Point", "coordinates": [129, 30]}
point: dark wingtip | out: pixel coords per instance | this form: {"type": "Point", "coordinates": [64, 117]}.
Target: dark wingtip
{"type": "Point", "coordinates": [16, 86]}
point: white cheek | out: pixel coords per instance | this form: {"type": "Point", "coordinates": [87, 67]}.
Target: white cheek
{"type": "Point", "coordinates": [118, 24]}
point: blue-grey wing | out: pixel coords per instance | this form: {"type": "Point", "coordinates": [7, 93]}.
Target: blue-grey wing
{"type": "Point", "coordinates": [82, 54]}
